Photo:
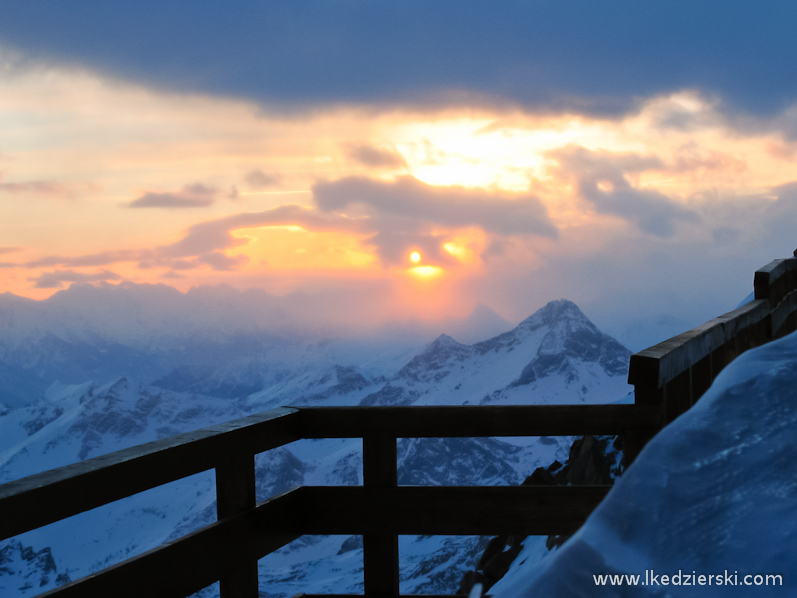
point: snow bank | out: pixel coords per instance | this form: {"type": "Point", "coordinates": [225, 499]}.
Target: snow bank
{"type": "Point", "coordinates": [714, 494]}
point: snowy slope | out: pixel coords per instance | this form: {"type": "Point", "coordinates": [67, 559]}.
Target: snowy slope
{"type": "Point", "coordinates": [715, 493]}
{"type": "Point", "coordinates": [74, 422]}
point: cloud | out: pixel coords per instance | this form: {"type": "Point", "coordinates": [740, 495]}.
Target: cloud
{"type": "Point", "coordinates": [375, 157]}
{"type": "Point", "coordinates": [171, 275]}
{"type": "Point", "coordinates": [4, 250]}
{"type": "Point", "coordinates": [215, 235]}
{"type": "Point", "coordinates": [407, 212]}
{"type": "Point", "coordinates": [408, 197]}
{"type": "Point", "coordinates": [390, 216]}
{"type": "Point", "coordinates": [39, 187]}
{"type": "Point", "coordinates": [691, 158]}
{"type": "Point", "coordinates": [190, 196]}
{"type": "Point", "coordinates": [257, 179]}
{"type": "Point", "coordinates": [103, 258]}
{"type": "Point", "coordinates": [219, 261]}
{"type": "Point", "coordinates": [55, 280]}
{"type": "Point", "coordinates": [601, 180]}
{"type": "Point", "coordinates": [204, 242]}
{"type": "Point", "coordinates": [780, 216]}
{"type": "Point", "coordinates": [577, 56]}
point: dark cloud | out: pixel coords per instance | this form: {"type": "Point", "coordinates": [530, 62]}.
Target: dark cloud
{"type": "Point", "coordinates": [55, 280]}
{"type": "Point", "coordinates": [375, 157]}
{"type": "Point", "coordinates": [407, 213]}
{"type": "Point", "coordinates": [580, 55]}
{"type": "Point", "coordinates": [408, 197]}
{"type": "Point", "coordinates": [257, 179]}
{"type": "Point", "coordinates": [190, 196]}
{"type": "Point", "coordinates": [601, 180]}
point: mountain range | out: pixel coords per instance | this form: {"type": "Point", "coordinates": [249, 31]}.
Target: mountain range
{"type": "Point", "coordinates": [109, 388]}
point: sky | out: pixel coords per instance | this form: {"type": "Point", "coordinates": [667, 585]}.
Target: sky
{"type": "Point", "coordinates": [402, 160]}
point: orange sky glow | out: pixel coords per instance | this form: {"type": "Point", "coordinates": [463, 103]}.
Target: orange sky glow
{"type": "Point", "coordinates": [103, 181]}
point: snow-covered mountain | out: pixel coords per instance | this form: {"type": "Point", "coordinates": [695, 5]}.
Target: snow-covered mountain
{"type": "Point", "coordinates": [708, 507]}
{"type": "Point", "coordinates": [555, 356]}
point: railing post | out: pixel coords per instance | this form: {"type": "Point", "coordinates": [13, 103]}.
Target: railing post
{"type": "Point", "coordinates": [635, 439]}
{"type": "Point", "coordinates": [380, 551]}
{"type": "Point", "coordinates": [235, 492]}
{"type": "Point", "coordinates": [678, 395]}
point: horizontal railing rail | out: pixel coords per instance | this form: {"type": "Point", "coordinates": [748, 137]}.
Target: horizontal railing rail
{"type": "Point", "coordinates": [471, 421]}
{"type": "Point", "coordinates": [668, 379]}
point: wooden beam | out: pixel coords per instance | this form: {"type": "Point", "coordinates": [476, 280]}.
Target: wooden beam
{"type": "Point", "coordinates": [702, 377]}
{"type": "Point", "coordinates": [56, 494]}
{"type": "Point", "coordinates": [418, 510]}
{"type": "Point", "coordinates": [190, 563]}
{"type": "Point", "coordinates": [771, 282]}
{"type": "Point", "coordinates": [782, 313]}
{"type": "Point", "coordinates": [235, 494]}
{"type": "Point", "coordinates": [472, 420]}
{"type": "Point", "coordinates": [380, 550]}
{"type": "Point", "coordinates": [678, 396]}
{"type": "Point", "coordinates": [380, 469]}
{"type": "Point", "coordinates": [662, 363]}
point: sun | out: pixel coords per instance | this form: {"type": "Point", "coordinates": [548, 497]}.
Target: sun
{"type": "Point", "coordinates": [415, 257]}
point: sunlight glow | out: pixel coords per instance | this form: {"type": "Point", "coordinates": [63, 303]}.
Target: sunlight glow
{"type": "Point", "coordinates": [286, 247]}
{"type": "Point", "coordinates": [459, 252]}
{"type": "Point", "coordinates": [415, 257]}
{"type": "Point", "coordinates": [426, 271]}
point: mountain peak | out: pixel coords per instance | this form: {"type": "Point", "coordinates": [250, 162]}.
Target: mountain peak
{"type": "Point", "coordinates": [441, 342]}
{"type": "Point", "coordinates": [554, 311]}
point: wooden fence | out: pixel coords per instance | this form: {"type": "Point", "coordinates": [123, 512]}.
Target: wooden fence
{"type": "Point", "coordinates": [668, 378]}
{"type": "Point", "coordinates": [675, 373]}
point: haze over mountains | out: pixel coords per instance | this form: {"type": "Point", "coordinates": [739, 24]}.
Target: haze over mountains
{"type": "Point", "coordinates": [119, 375]}
{"type": "Point", "coordinates": [146, 331]}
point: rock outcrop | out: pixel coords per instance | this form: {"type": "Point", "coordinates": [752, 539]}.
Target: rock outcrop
{"type": "Point", "coordinates": [593, 460]}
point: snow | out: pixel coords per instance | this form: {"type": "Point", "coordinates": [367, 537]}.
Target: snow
{"type": "Point", "coordinates": [713, 493]}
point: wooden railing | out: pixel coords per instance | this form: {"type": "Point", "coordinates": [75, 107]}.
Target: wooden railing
{"type": "Point", "coordinates": [668, 378]}
{"type": "Point", "coordinates": [675, 373]}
